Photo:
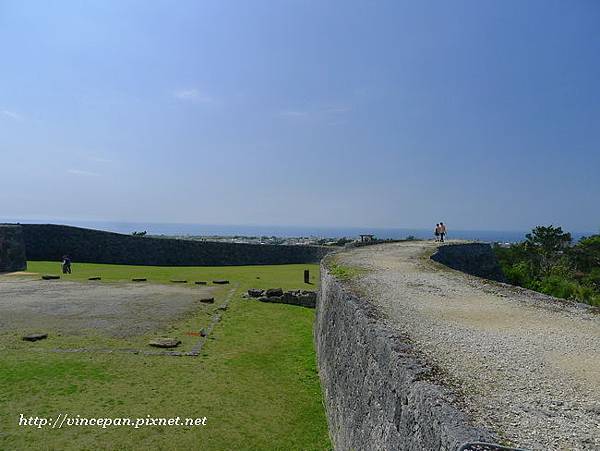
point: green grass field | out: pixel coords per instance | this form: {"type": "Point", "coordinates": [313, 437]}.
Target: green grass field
{"type": "Point", "coordinates": [255, 381]}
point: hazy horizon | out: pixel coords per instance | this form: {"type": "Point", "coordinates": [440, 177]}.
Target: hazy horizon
{"type": "Point", "coordinates": [389, 114]}
{"type": "Point", "coordinates": [285, 230]}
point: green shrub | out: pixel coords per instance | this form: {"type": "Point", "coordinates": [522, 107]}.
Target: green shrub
{"type": "Point", "coordinates": [546, 262]}
{"type": "Point", "coordinates": [519, 274]}
{"type": "Point", "coordinates": [559, 287]}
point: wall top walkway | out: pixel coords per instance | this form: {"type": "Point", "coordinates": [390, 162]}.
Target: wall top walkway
{"type": "Point", "coordinates": [525, 364]}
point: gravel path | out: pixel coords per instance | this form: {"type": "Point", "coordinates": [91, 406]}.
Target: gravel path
{"type": "Point", "coordinates": [527, 364]}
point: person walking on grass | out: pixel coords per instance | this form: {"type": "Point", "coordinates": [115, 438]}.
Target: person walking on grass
{"type": "Point", "coordinates": [442, 231]}
{"type": "Point", "coordinates": [66, 264]}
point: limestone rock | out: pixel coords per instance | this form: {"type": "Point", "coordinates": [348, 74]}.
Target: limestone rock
{"type": "Point", "coordinates": [303, 298]}
{"type": "Point", "coordinates": [273, 299]}
{"type": "Point", "coordinates": [165, 342]}
{"type": "Point", "coordinates": [35, 337]}
{"type": "Point", "coordinates": [271, 292]}
{"type": "Point", "coordinates": [255, 292]}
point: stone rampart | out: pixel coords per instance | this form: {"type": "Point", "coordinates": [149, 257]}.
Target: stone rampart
{"type": "Point", "coordinates": [51, 242]}
{"type": "Point", "coordinates": [378, 393]}
{"type": "Point", "coordinates": [477, 259]}
{"type": "Point", "coordinates": [12, 249]}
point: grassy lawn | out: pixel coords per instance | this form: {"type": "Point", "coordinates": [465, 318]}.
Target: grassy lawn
{"type": "Point", "coordinates": [284, 276]}
{"type": "Point", "coordinates": [256, 380]}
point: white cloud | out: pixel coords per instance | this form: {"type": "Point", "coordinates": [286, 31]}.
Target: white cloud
{"type": "Point", "coordinates": [11, 114]}
{"type": "Point", "coordinates": [82, 173]}
{"type": "Point", "coordinates": [337, 110]}
{"type": "Point", "coordinates": [100, 160]}
{"type": "Point", "coordinates": [192, 95]}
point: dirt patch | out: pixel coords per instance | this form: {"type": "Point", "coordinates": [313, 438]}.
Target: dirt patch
{"type": "Point", "coordinates": [117, 310]}
{"type": "Point", "coordinates": [20, 273]}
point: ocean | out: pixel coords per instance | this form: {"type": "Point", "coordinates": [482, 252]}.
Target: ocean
{"type": "Point", "coordinates": [175, 229]}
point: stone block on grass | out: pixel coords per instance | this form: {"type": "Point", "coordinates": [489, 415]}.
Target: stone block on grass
{"type": "Point", "coordinates": [165, 342]}
{"type": "Point", "coordinates": [35, 337]}
{"type": "Point", "coordinates": [207, 300]}
{"type": "Point", "coordinates": [274, 292]}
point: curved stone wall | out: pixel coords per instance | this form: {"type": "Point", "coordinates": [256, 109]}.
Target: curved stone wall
{"type": "Point", "coordinates": [12, 249]}
{"type": "Point", "coordinates": [477, 259]}
{"type": "Point", "coordinates": [51, 242]}
{"type": "Point", "coordinates": [378, 393]}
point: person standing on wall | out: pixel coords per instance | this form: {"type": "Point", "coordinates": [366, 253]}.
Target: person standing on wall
{"type": "Point", "coordinates": [437, 232]}
{"type": "Point", "coordinates": [442, 231]}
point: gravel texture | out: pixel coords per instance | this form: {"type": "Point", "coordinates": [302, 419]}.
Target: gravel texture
{"type": "Point", "coordinates": [118, 310]}
{"type": "Point", "coordinates": [527, 365]}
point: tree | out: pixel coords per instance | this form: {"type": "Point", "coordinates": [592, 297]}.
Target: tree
{"type": "Point", "coordinates": [586, 254]}
{"type": "Point", "coordinates": [547, 245]}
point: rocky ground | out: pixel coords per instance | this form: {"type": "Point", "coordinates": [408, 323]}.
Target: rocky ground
{"type": "Point", "coordinates": [118, 310]}
{"type": "Point", "coordinates": [527, 365]}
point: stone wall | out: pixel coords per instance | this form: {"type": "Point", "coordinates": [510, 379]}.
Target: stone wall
{"type": "Point", "coordinates": [378, 393]}
{"type": "Point", "coordinates": [477, 259]}
{"type": "Point", "coordinates": [51, 242]}
{"type": "Point", "coordinates": [12, 249]}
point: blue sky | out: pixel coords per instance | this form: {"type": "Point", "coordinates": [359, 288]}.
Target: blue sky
{"type": "Point", "coordinates": [485, 115]}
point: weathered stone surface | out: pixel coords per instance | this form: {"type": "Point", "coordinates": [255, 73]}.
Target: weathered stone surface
{"type": "Point", "coordinates": [35, 337]}
{"type": "Point", "coordinates": [377, 391]}
{"type": "Point", "coordinates": [207, 300]}
{"type": "Point", "coordinates": [50, 277]}
{"type": "Point", "coordinates": [274, 292]}
{"type": "Point", "coordinates": [12, 249]}
{"type": "Point", "coordinates": [255, 292]}
{"type": "Point", "coordinates": [298, 297]}
{"type": "Point", "coordinates": [273, 299]}
{"type": "Point", "coordinates": [165, 342]}
{"type": "Point", "coordinates": [477, 259]}
{"type": "Point", "coordinates": [221, 282]}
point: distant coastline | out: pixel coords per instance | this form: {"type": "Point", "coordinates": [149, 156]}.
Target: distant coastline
{"type": "Point", "coordinates": [175, 229]}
